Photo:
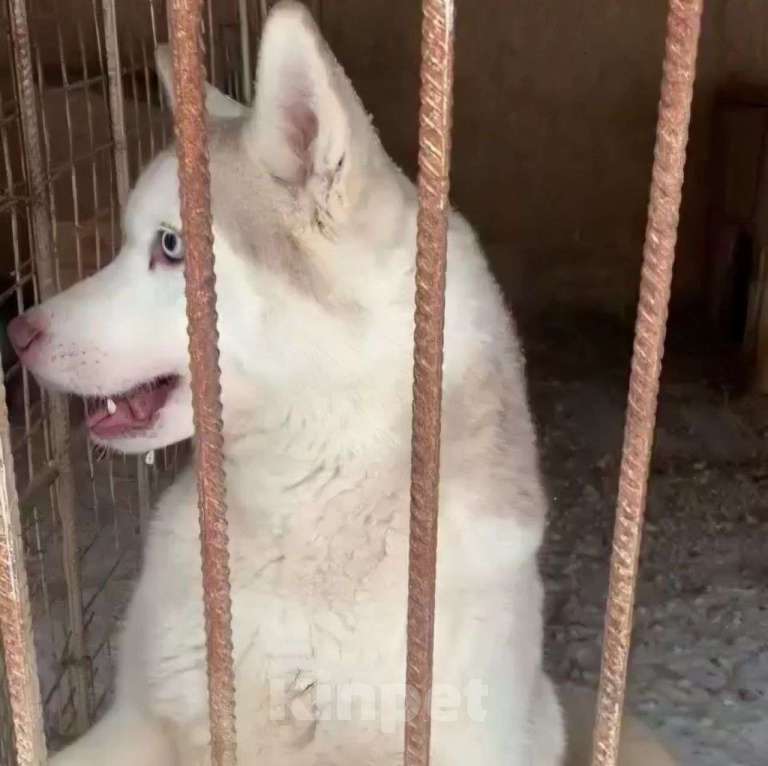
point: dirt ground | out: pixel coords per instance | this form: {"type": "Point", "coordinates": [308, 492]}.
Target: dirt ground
{"type": "Point", "coordinates": [699, 667]}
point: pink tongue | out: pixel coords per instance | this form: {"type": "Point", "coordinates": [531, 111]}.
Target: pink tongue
{"type": "Point", "coordinates": [144, 404]}
{"type": "Point", "coordinates": [133, 412]}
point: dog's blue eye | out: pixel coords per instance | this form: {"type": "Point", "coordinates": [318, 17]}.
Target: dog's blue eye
{"type": "Point", "coordinates": [171, 245]}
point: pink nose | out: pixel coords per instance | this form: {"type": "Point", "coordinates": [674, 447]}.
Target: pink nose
{"type": "Point", "coordinates": [24, 331]}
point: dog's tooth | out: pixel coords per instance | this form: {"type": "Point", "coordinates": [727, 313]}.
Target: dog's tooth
{"type": "Point", "coordinates": [111, 406]}
{"type": "Point", "coordinates": [149, 458]}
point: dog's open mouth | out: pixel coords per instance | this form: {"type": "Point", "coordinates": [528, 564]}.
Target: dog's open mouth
{"type": "Point", "coordinates": [130, 412]}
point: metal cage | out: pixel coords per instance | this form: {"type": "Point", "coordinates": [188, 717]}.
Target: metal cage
{"type": "Point", "coordinates": [39, 511]}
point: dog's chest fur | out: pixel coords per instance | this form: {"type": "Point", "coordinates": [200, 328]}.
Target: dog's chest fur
{"type": "Point", "coordinates": [318, 585]}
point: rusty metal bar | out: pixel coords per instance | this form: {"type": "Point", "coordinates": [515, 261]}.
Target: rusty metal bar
{"type": "Point", "coordinates": [59, 407]}
{"type": "Point", "coordinates": [15, 617]}
{"type": "Point", "coordinates": [432, 241]}
{"type": "Point", "coordinates": [683, 26]}
{"type": "Point", "coordinates": [194, 183]}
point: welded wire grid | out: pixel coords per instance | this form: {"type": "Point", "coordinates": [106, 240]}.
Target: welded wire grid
{"type": "Point", "coordinates": [54, 413]}
{"type": "Point", "coordinates": [683, 27]}
{"type": "Point", "coordinates": [194, 185]}
{"type": "Point", "coordinates": [434, 166]}
{"type": "Point", "coordinates": [15, 238]}
{"type": "Point", "coordinates": [73, 92]}
{"type": "Point", "coordinates": [59, 222]}
{"type": "Point", "coordinates": [101, 117]}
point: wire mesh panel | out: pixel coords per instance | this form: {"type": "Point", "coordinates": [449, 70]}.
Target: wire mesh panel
{"type": "Point", "coordinates": [41, 450]}
{"type": "Point", "coordinates": [15, 247]}
{"type": "Point", "coordinates": [79, 585]}
{"type": "Point", "coordinates": [139, 28]}
{"type": "Point", "coordinates": [73, 93]}
{"type": "Point", "coordinates": [101, 118]}
{"type": "Point", "coordinates": [22, 739]}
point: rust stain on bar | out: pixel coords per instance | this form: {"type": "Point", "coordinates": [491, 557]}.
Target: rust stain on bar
{"type": "Point", "coordinates": [434, 167]}
{"type": "Point", "coordinates": [683, 27]}
{"type": "Point", "coordinates": [194, 183]}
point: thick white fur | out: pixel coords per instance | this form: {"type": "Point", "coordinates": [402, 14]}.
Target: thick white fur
{"type": "Point", "coordinates": [315, 243]}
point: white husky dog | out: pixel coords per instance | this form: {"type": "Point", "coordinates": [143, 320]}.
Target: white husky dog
{"type": "Point", "coordinates": [315, 233]}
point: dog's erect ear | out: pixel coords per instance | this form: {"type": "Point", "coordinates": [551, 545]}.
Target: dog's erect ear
{"type": "Point", "coordinates": [309, 128]}
{"type": "Point", "coordinates": [217, 103]}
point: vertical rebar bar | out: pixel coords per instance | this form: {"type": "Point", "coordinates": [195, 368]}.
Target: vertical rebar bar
{"type": "Point", "coordinates": [15, 618]}
{"type": "Point", "coordinates": [59, 406]}
{"type": "Point", "coordinates": [683, 26]}
{"type": "Point", "coordinates": [432, 241]}
{"type": "Point", "coordinates": [194, 183]}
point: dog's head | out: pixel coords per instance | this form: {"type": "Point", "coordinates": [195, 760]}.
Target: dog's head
{"type": "Point", "coordinates": [310, 218]}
